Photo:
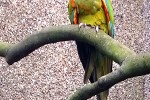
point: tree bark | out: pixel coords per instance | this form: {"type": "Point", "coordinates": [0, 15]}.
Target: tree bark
{"type": "Point", "coordinates": [131, 64]}
{"type": "Point", "coordinates": [134, 65]}
{"type": "Point", "coordinates": [107, 45]}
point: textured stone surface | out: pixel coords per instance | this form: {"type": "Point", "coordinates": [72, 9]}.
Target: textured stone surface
{"type": "Point", "coordinates": [147, 31]}
{"type": "Point", "coordinates": [54, 71]}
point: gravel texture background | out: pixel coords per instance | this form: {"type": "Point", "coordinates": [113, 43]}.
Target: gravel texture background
{"type": "Point", "coordinates": [54, 71]}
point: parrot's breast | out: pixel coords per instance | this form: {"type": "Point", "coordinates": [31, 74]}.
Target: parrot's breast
{"type": "Point", "coordinates": [91, 12]}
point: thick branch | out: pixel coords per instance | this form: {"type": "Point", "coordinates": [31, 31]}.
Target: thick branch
{"type": "Point", "coordinates": [134, 65]}
{"type": "Point", "coordinates": [101, 41]}
{"type": "Point", "coordinates": [4, 47]}
{"type": "Point", "coordinates": [104, 83]}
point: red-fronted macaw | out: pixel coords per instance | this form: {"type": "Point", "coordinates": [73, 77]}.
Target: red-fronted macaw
{"type": "Point", "coordinates": [98, 13]}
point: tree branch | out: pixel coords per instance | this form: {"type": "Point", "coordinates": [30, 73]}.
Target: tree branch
{"type": "Point", "coordinates": [107, 45]}
{"type": "Point", "coordinates": [134, 65]}
{"type": "Point", "coordinates": [131, 64]}
{"type": "Point", "coordinates": [4, 47]}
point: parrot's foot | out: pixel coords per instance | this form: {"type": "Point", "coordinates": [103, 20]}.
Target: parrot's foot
{"type": "Point", "coordinates": [82, 25]}
{"type": "Point", "coordinates": [97, 29]}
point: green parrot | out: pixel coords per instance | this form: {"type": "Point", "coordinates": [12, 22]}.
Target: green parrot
{"type": "Point", "coordinates": [97, 13]}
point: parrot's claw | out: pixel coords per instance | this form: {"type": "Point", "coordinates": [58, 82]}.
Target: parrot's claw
{"type": "Point", "coordinates": [82, 24]}
{"type": "Point", "coordinates": [97, 29]}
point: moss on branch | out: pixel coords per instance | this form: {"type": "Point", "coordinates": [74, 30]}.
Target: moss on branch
{"type": "Point", "coordinates": [4, 47]}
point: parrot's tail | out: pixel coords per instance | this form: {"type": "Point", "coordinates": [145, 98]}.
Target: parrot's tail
{"type": "Point", "coordinates": [105, 67]}
{"type": "Point", "coordinates": [103, 95]}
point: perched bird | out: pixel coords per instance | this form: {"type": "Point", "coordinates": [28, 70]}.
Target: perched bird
{"type": "Point", "coordinates": [98, 14]}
